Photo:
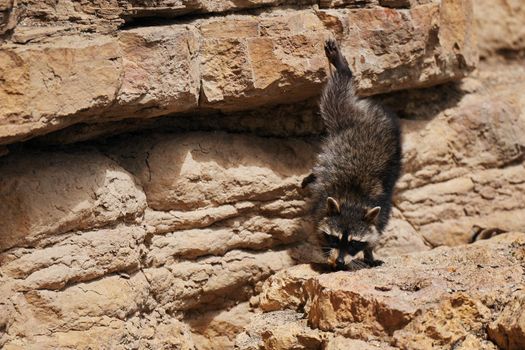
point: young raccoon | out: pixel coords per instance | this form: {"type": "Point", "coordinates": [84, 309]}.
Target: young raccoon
{"type": "Point", "coordinates": [356, 170]}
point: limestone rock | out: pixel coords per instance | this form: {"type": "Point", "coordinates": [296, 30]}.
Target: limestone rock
{"type": "Point", "coordinates": [84, 225]}
{"type": "Point", "coordinates": [252, 62]}
{"type": "Point", "coordinates": [57, 76]}
{"type": "Point", "coordinates": [217, 329]}
{"type": "Point", "coordinates": [456, 175]}
{"type": "Point", "coordinates": [283, 330]}
{"type": "Point", "coordinates": [99, 307]}
{"type": "Point", "coordinates": [399, 238]}
{"type": "Point", "coordinates": [183, 239]}
{"type": "Point", "coordinates": [429, 300]}
{"type": "Point", "coordinates": [78, 78]}
{"type": "Point", "coordinates": [363, 46]}
{"type": "Point", "coordinates": [109, 15]}
{"type": "Point", "coordinates": [500, 26]}
{"type": "Point", "coordinates": [200, 170]}
{"type": "Point", "coordinates": [160, 72]}
{"type": "Point", "coordinates": [42, 86]}
{"type": "Point", "coordinates": [80, 257]}
{"type": "Point", "coordinates": [242, 212]}
{"type": "Point", "coordinates": [508, 330]}
{"type": "Point", "coordinates": [278, 330]}
{"type": "Point", "coordinates": [214, 280]}
{"type": "Point", "coordinates": [384, 300]}
{"type": "Point", "coordinates": [339, 343]}
{"type": "Point", "coordinates": [47, 194]}
{"type": "Point", "coordinates": [438, 34]}
{"type": "Point", "coordinates": [253, 233]}
{"type": "Point", "coordinates": [285, 289]}
{"type": "Point", "coordinates": [453, 320]}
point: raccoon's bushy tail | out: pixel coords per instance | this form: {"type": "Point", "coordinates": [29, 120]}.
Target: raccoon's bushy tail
{"type": "Point", "coordinates": [338, 97]}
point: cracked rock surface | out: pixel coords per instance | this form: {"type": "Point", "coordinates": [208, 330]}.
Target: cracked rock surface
{"type": "Point", "coordinates": [103, 245]}
{"type": "Point", "coordinates": [152, 155]}
{"type": "Point", "coordinates": [170, 237]}
{"type": "Point", "coordinates": [466, 297]}
{"type": "Point", "coordinates": [98, 61]}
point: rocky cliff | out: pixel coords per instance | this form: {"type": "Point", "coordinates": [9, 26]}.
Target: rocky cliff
{"type": "Point", "coordinates": [152, 155]}
{"type": "Point", "coordinates": [448, 298]}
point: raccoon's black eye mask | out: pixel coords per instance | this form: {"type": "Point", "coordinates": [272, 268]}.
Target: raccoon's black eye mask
{"type": "Point", "coordinates": [332, 241]}
{"type": "Point", "coordinates": [353, 247]}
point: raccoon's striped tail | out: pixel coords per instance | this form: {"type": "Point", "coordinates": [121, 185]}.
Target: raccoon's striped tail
{"type": "Point", "coordinates": [338, 98]}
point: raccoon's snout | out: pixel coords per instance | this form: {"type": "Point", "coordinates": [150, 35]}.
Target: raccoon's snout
{"type": "Point", "coordinates": [340, 262]}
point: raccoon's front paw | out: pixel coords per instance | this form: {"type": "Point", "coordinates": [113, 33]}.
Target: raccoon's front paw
{"type": "Point", "coordinates": [308, 180]}
{"type": "Point", "coordinates": [374, 263]}
{"type": "Point", "coordinates": [331, 50]}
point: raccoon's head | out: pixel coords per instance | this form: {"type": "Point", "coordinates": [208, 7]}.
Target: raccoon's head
{"type": "Point", "coordinates": [346, 230]}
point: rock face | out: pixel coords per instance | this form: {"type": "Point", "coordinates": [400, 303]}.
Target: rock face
{"type": "Point", "coordinates": [440, 299]}
{"type": "Point", "coordinates": [508, 330]}
{"type": "Point", "coordinates": [184, 232]}
{"type": "Point", "coordinates": [169, 238]}
{"type": "Point", "coordinates": [464, 167]}
{"type": "Point", "coordinates": [499, 25]}
{"type": "Point", "coordinates": [119, 242]}
{"type": "Point", "coordinates": [87, 190]}
{"type": "Point", "coordinates": [57, 72]}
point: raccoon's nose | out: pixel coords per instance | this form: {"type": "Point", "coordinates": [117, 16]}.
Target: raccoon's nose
{"type": "Point", "coordinates": [340, 263]}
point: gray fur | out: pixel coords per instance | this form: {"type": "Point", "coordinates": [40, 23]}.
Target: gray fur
{"type": "Point", "coordinates": [359, 164]}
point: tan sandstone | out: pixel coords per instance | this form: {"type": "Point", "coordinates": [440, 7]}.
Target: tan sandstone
{"type": "Point", "coordinates": [508, 330]}
{"type": "Point", "coordinates": [237, 62]}
{"type": "Point", "coordinates": [130, 233]}
{"type": "Point", "coordinates": [499, 24]}
{"type": "Point", "coordinates": [430, 300]}
{"type": "Point", "coordinates": [187, 264]}
{"type": "Point", "coordinates": [68, 191]}
{"type": "Point", "coordinates": [464, 166]}
{"type": "Point", "coordinates": [173, 238]}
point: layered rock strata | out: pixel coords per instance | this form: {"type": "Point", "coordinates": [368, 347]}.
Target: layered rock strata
{"type": "Point", "coordinates": [127, 238]}
{"type": "Point", "coordinates": [55, 75]}
{"type": "Point", "coordinates": [166, 237]}
{"type": "Point", "coordinates": [464, 167]}
{"type": "Point", "coordinates": [118, 245]}
{"type": "Point", "coordinates": [462, 298]}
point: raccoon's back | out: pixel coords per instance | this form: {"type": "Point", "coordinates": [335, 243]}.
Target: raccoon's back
{"type": "Point", "coordinates": [361, 157]}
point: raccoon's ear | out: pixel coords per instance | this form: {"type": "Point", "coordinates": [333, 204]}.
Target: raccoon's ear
{"type": "Point", "coordinates": [372, 215]}
{"type": "Point", "coordinates": [332, 207]}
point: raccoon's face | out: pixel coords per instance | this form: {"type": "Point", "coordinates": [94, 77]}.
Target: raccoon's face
{"type": "Point", "coordinates": [344, 232]}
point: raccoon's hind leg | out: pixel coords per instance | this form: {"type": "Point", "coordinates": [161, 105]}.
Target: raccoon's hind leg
{"type": "Point", "coordinates": [336, 58]}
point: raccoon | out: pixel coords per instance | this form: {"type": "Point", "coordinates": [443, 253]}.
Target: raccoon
{"type": "Point", "coordinates": [359, 163]}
